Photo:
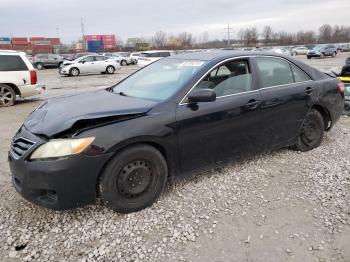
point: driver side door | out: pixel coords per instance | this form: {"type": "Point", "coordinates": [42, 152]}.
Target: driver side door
{"type": "Point", "coordinates": [228, 127]}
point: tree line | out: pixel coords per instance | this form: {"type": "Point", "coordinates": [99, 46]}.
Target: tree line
{"type": "Point", "coordinates": [251, 37]}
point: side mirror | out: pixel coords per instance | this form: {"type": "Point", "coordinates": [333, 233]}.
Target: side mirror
{"type": "Point", "coordinates": [202, 95]}
{"type": "Point", "coordinates": [82, 62]}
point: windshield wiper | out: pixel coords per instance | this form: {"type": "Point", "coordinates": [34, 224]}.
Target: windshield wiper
{"type": "Point", "coordinates": [122, 94]}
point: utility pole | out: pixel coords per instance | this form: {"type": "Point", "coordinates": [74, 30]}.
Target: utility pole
{"type": "Point", "coordinates": [58, 36]}
{"type": "Point", "coordinates": [228, 32]}
{"type": "Point", "coordinates": [82, 33]}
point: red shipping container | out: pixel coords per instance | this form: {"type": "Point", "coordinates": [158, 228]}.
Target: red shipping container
{"type": "Point", "coordinates": [37, 39]}
{"type": "Point", "coordinates": [19, 39]}
{"type": "Point", "coordinates": [19, 42]}
{"type": "Point", "coordinates": [21, 47]}
{"type": "Point", "coordinates": [108, 37]}
{"type": "Point", "coordinates": [93, 37]}
{"type": "Point", "coordinates": [54, 41]}
{"type": "Point", "coordinates": [6, 47]}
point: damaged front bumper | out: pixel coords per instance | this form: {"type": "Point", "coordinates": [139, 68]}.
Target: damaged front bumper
{"type": "Point", "coordinates": [61, 183]}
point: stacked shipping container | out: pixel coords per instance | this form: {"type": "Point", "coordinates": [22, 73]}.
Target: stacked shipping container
{"type": "Point", "coordinates": [34, 44]}
{"type": "Point", "coordinates": [5, 42]}
{"type": "Point", "coordinates": [99, 43]}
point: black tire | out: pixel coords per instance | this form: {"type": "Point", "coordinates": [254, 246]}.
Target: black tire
{"type": "Point", "coordinates": [322, 56]}
{"type": "Point", "coordinates": [74, 71]}
{"type": "Point", "coordinates": [133, 179]}
{"type": "Point", "coordinates": [123, 63]}
{"type": "Point", "coordinates": [334, 54]}
{"type": "Point", "coordinates": [39, 66]}
{"type": "Point", "coordinates": [110, 70]}
{"type": "Point", "coordinates": [309, 57]}
{"type": "Point", "coordinates": [7, 96]}
{"type": "Point", "coordinates": [346, 108]}
{"type": "Point", "coordinates": [311, 132]}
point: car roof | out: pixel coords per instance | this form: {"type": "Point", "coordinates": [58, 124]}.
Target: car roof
{"type": "Point", "coordinates": [12, 52]}
{"type": "Point", "coordinates": [222, 54]}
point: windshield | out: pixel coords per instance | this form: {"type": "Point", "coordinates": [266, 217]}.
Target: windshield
{"type": "Point", "coordinates": [318, 47]}
{"type": "Point", "coordinates": [160, 80]}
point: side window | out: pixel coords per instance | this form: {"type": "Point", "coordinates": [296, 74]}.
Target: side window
{"type": "Point", "coordinates": [299, 75]}
{"type": "Point", "coordinates": [100, 58]}
{"type": "Point", "coordinates": [231, 78]}
{"type": "Point", "coordinates": [12, 63]}
{"type": "Point", "coordinates": [274, 71]}
{"type": "Point", "coordinates": [88, 59]}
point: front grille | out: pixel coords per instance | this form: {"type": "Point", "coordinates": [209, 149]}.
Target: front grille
{"type": "Point", "coordinates": [20, 146]}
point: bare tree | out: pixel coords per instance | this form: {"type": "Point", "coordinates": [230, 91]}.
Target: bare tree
{"type": "Point", "coordinates": [267, 34]}
{"type": "Point", "coordinates": [251, 36]}
{"type": "Point", "coordinates": [325, 33]}
{"type": "Point", "coordinates": [185, 39]}
{"type": "Point", "coordinates": [159, 39]}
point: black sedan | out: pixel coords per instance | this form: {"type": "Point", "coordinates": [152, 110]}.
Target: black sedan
{"type": "Point", "coordinates": [165, 121]}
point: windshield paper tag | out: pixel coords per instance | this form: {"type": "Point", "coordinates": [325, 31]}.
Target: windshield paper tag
{"type": "Point", "coordinates": [192, 63]}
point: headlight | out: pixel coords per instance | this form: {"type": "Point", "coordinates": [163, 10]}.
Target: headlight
{"type": "Point", "coordinates": [62, 147]}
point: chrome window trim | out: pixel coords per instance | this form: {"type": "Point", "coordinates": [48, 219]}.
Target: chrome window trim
{"type": "Point", "coordinates": [240, 57]}
{"type": "Point", "coordinates": [218, 64]}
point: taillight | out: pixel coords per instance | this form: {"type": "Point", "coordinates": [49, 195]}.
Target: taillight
{"type": "Point", "coordinates": [33, 77]}
{"type": "Point", "coordinates": [341, 87]}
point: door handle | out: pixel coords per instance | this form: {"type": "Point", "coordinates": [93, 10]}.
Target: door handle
{"type": "Point", "coordinates": [252, 104]}
{"type": "Point", "coordinates": [308, 90]}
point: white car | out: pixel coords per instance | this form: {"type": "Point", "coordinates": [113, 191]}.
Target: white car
{"type": "Point", "coordinates": [90, 64]}
{"type": "Point", "coordinates": [149, 57]}
{"type": "Point", "coordinates": [17, 77]}
{"type": "Point", "coordinates": [122, 58]}
{"type": "Point", "coordinates": [135, 57]}
{"type": "Point", "coordinates": [300, 50]}
{"type": "Point", "coordinates": [282, 51]}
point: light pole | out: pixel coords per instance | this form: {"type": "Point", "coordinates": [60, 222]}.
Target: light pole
{"type": "Point", "coordinates": [58, 36]}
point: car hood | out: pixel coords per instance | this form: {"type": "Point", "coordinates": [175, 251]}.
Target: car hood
{"type": "Point", "coordinates": [89, 109]}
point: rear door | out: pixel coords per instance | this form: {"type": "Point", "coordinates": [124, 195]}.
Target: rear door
{"type": "Point", "coordinates": [228, 127]}
{"type": "Point", "coordinates": [101, 63]}
{"type": "Point", "coordinates": [286, 92]}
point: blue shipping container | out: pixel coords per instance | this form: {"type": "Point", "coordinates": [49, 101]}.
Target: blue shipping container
{"type": "Point", "coordinates": [94, 46]}
{"type": "Point", "coordinates": [5, 39]}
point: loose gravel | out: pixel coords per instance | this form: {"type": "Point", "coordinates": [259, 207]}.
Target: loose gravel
{"type": "Point", "coordinates": [186, 224]}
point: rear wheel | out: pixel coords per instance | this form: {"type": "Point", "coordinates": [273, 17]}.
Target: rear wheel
{"type": "Point", "coordinates": [322, 56]}
{"type": "Point", "coordinates": [110, 70]}
{"type": "Point", "coordinates": [7, 96]}
{"type": "Point", "coordinates": [311, 132]}
{"type": "Point", "coordinates": [346, 108]}
{"type": "Point", "coordinates": [334, 54]}
{"type": "Point", "coordinates": [133, 179]}
{"type": "Point", "coordinates": [74, 71]}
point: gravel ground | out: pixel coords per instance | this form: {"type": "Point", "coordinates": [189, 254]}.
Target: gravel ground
{"type": "Point", "coordinates": [281, 206]}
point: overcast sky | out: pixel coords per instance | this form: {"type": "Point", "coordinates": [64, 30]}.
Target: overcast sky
{"type": "Point", "coordinates": [134, 18]}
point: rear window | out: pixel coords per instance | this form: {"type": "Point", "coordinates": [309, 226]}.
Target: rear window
{"type": "Point", "coordinates": [12, 63]}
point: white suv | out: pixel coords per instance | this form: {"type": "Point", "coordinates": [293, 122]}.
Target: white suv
{"type": "Point", "coordinates": [17, 77]}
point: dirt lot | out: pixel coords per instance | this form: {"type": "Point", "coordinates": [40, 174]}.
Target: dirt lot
{"type": "Point", "coordinates": [283, 206]}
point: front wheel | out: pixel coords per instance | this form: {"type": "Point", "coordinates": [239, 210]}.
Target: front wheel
{"type": "Point", "coordinates": [311, 132]}
{"type": "Point", "coordinates": [133, 179]}
{"type": "Point", "coordinates": [110, 70]}
{"type": "Point", "coordinates": [74, 71]}
{"type": "Point", "coordinates": [123, 63]}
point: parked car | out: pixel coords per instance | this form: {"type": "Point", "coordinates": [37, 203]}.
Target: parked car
{"type": "Point", "coordinates": [135, 57]}
{"type": "Point", "coordinates": [166, 120]}
{"type": "Point", "coordinates": [90, 64]}
{"type": "Point", "coordinates": [344, 76]}
{"type": "Point", "coordinates": [322, 51]}
{"type": "Point", "coordinates": [17, 77]}
{"type": "Point", "coordinates": [149, 57]}
{"type": "Point", "coordinates": [282, 51]}
{"type": "Point", "coordinates": [121, 58]}
{"type": "Point", "coordinates": [79, 55]}
{"type": "Point", "coordinates": [42, 61]}
{"type": "Point", "coordinates": [300, 50]}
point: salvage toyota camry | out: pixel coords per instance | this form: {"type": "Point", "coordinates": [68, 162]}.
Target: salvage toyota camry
{"type": "Point", "coordinates": [166, 120]}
